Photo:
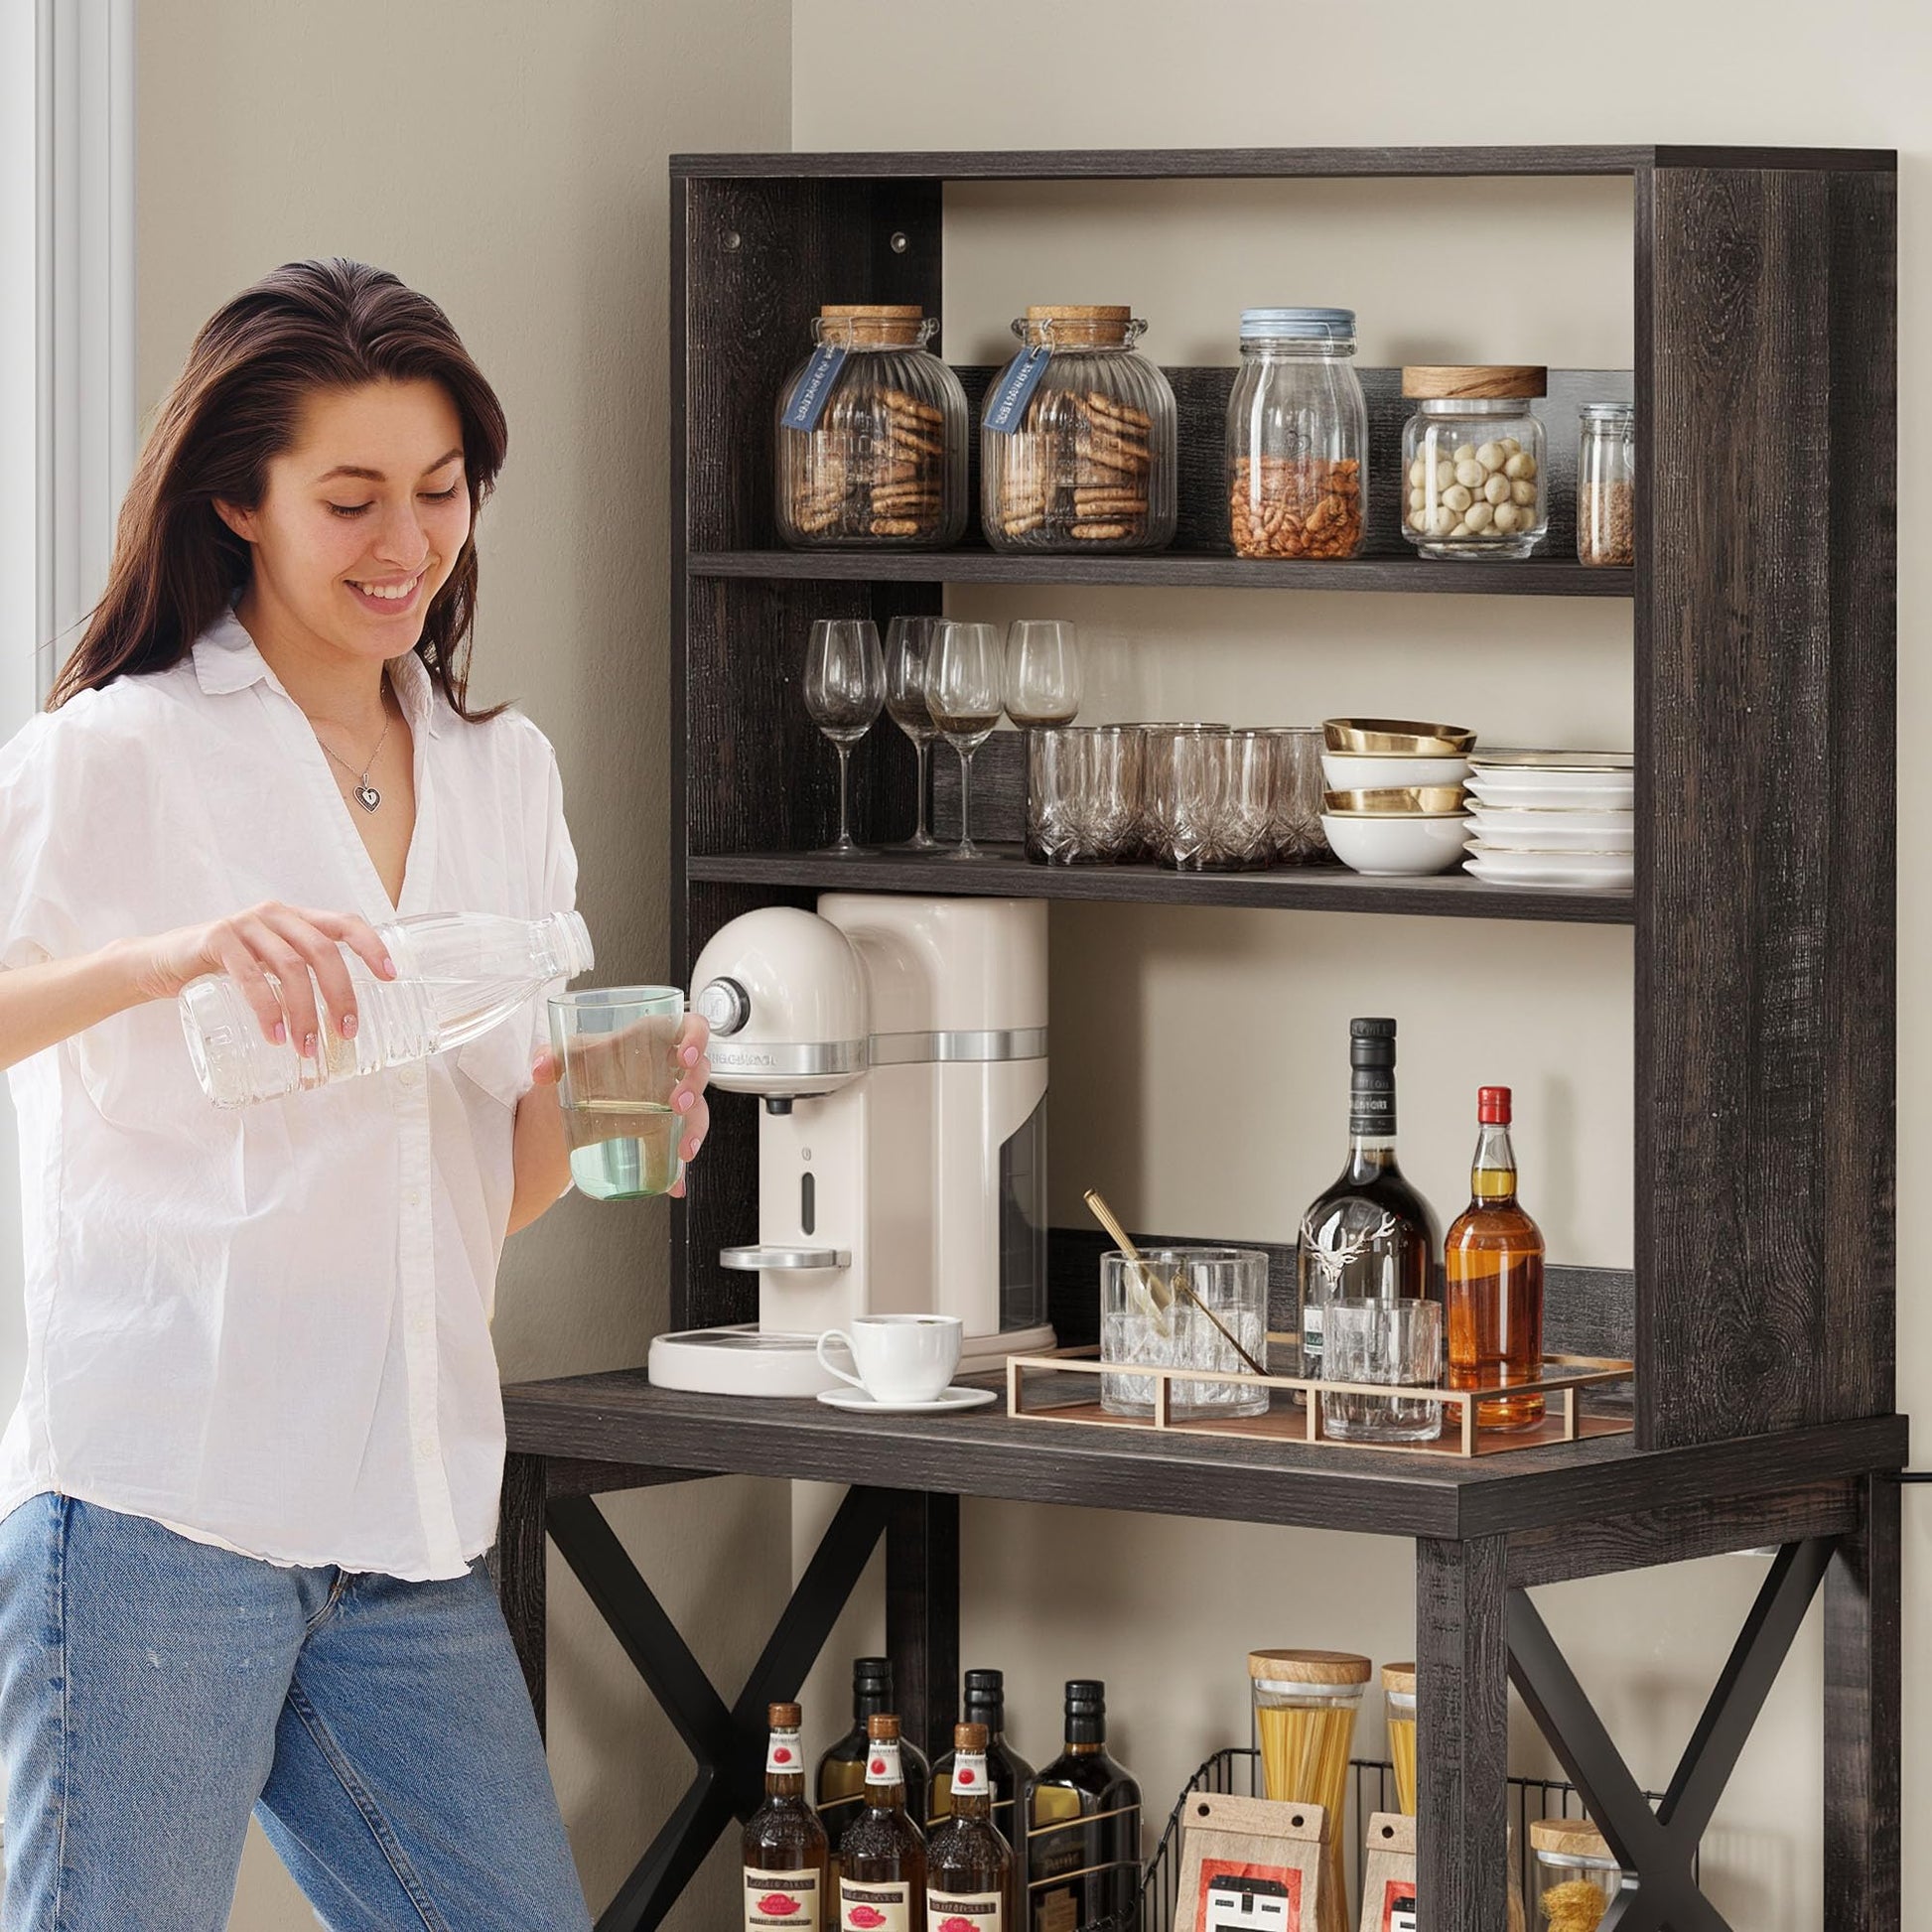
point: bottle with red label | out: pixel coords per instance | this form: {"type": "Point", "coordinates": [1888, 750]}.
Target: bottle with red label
{"type": "Point", "coordinates": [881, 1856]}
{"type": "Point", "coordinates": [968, 1863]}
{"type": "Point", "coordinates": [784, 1844]}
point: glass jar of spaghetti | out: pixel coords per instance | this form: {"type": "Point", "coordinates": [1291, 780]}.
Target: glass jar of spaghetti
{"type": "Point", "coordinates": [1306, 1702]}
{"type": "Point", "coordinates": [871, 436]}
{"type": "Point", "coordinates": [1399, 1694]}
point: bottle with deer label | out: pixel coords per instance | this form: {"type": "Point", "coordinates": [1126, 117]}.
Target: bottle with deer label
{"type": "Point", "coordinates": [1083, 1829]}
{"type": "Point", "coordinates": [784, 1842]}
{"type": "Point", "coordinates": [1369, 1234]}
{"type": "Point", "coordinates": [968, 1862]}
{"type": "Point", "coordinates": [881, 1858]}
{"type": "Point", "coordinates": [842, 1768]}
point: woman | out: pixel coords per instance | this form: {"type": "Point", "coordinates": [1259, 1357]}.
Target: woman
{"type": "Point", "coordinates": [257, 1460]}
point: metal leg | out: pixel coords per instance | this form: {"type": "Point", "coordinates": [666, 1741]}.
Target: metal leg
{"type": "Point", "coordinates": [516, 1565]}
{"type": "Point", "coordinates": [1463, 1741]}
{"type": "Point", "coordinates": [728, 1744]}
{"type": "Point", "coordinates": [1661, 1846]}
{"type": "Point", "coordinates": [1863, 1612]}
{"type": "Point", "coordinates": [922, 1614]}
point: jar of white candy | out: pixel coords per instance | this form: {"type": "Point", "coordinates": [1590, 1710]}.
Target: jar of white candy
{"type": "Point", "coordinates": [1472, 462]}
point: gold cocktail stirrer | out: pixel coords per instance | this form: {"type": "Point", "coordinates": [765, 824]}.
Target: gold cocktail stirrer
{"type": "Point", "coordinates": [1176, 1284]}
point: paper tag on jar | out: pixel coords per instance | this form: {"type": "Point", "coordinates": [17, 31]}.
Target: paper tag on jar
{"type": "Point", "coordinates": [1003, 408]}
{"type": "Point", "coordinates": [813, 390]}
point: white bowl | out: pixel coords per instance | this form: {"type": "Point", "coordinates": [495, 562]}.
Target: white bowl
{"type": "Point", "coordinates": [1384, 846]}
{"type": "Point", "coordinates": [1365, 771]}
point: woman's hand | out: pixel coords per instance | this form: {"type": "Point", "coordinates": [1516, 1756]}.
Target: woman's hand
{"type": "Point", "coordinates": [299, 946]}
{"type": "Point", "coordinates": [693, 1073]}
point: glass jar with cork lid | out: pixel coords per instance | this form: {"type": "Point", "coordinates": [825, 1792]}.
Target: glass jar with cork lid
{"type": "Point", "coordinates": [1473, 461]}
{"type": "Point", "coordinates": [1078, 438]}
{"type": "Point", "coordinates": [871, 434]}
{"type": "Point", "coordinates": [1576, 1876]}
{"type": "Point", "coordinates": [1305, 1702]}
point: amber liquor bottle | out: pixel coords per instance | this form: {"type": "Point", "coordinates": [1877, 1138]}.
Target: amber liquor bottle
{"type": "Point", "coordinates": [1083, 1829]}
{"type": "Point", "coordinates": [1369, 1234]}
{"type": "Point", "coordinates": [968, 1862]}
{"type": "Point", "coordinates": [1493, 1280]}
{"type": "Point", "coordinates": [881, 1858]}
{"type": "Point", "coordinates": [841, 1781]}
{"type": "Point", "coordinates": [784, 1842]}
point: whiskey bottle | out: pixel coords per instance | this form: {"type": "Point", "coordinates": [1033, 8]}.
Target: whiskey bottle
{"type": "Point", "coordinates": [841, 1781]}
{"type": "Point", "coordinates": [784, 1842]}
{"type": "Point", "coordinates": [881, 1858]}
{"type": "Point", "coordinates": [1007, 1772]}
{"type": "Point", "coordinates": [968, 1862]}
{"type": "Point", "coordinates": [1493, 1279]}
{"type": "Point", "coordinates": [1083, 1829]}
{"type": "Point", "coordinates": [1369, 1234]}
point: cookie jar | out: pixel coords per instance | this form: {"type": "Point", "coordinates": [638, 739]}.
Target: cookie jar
{"type": "Point", "coordinates": [1078, 438]}
{"type": "Point", "coordinates": [1297, 436]}
{"type": "Point", "coordinates": [1472, 469]}
{"type": "Point", "coordinates": [871, 434]}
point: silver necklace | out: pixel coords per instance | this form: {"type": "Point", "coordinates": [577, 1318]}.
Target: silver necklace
{"type": "Point", "coordinates": [366, 794]}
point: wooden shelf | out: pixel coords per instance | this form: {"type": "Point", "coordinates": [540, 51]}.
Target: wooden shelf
{"type": "Point", "coordinates": [1529, 577]}
{"type": "Point", "coordinates": [1005, 873]}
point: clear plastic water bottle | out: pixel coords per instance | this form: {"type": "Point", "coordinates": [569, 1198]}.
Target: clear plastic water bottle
{"type": "Point", "coordinates": [457, 974]}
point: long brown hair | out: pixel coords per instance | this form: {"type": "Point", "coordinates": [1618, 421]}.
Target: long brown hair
{"type": "Point", "coordinates": [310, 326]}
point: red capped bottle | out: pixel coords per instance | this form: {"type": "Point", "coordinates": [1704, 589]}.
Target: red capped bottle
{"type": "Point", "coordinates": [784, 1842]}
{"type": "Point", "coordinates": [881, 1856]}
{"type": "Point", "coordinates": [968, 1862]}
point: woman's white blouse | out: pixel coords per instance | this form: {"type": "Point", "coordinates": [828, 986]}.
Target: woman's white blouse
{"type": "Point", "coordinates": [268, 1327]}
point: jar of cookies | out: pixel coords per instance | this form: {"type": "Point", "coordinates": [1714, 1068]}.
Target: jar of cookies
{"type": "Point", "coordinates": [1078, 438]}
{"type": "Point", "coordinates": [872, 435]}
{"type": "Point", "coordinates": [1473, 482]}
{"type": "Point", "coordinates": [1297, 436]}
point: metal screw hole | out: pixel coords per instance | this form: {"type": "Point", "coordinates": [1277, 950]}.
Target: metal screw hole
{"type": "Point", "coordinates": [901, 242]}
{"type": "Point", "coordinates": [733, 241]}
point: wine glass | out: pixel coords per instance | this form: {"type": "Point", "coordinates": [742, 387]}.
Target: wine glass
{"type": "Point", "coordinates": [963, 692]}
{"type": "Point", "coordinates": [908, 647]}
{"type": "Point", "coordinates": [845, 691]}
{"type": "Point", "coordinates": [1042, 672]}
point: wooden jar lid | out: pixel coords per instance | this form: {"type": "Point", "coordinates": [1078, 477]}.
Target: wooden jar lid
{"type": "Point", "coordinates": [1571, 1838]}
{"type": "Point", "coordinates": [1064, 312]}
{"type": "Point", "coordinates": [1399, 1678]}
{"type": "Point", "coordinates": [1473, 382]}
{"type": "Point", "coordinates": [1308, 1667]}
{"type": "Point", "coordinates": [872, 311]}
{"type": "Point", "coordinates": [873, 321]}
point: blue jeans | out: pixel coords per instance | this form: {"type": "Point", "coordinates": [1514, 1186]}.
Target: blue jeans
{"type": "Point", "coordinates": [154, 1690]}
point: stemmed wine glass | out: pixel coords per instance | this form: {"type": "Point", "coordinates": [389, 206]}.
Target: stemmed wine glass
{"type": "Point", "coordinates": [1042, 673]}
{"type": "Point", "coordinates": [963, 692]}
{"type": "Point", "coordinates": [845, 691]}
{"type": "Point", "coordinates": [909, 648]}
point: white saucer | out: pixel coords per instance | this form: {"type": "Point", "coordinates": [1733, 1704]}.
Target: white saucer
{"type": "Point", "coordinates": [860, 1402]}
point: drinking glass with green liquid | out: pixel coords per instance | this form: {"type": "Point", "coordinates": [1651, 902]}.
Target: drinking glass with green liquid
{"type": "Point", "coordinates": [616, 1070]}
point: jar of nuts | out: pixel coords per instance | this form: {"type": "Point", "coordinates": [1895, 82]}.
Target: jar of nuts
{"type": "Point", "coordinates": [1606, 483]}
{"type": "Point", "coordinates": [1078, 438]}
{"type": "Point", "coordinates": [1472, 462]}
{"type": "Point", "coordinates": [872, 435]}
{"type": "Point", "coordinates": [1297, 436]}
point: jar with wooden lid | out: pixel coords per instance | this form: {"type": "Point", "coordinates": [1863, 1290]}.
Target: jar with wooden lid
{"type": "Point", "coordinates": [872, 436]}
{"type": "Point", "coordinates": [1306, 1702]}
{"type": "Point", "coordinates": [1078, 438]}
{"type": "Point", "coordinates": [1399, 1694]}
{"type": "Point", "coordinates": [1473, 461]}
{"type": "Point", "coordinates": [1297, 436]}
{"type": "Point", "coordinates": [1577, 1880]}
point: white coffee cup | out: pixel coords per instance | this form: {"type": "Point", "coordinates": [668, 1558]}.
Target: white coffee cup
{"type": "Point", "coordinates": [900, 1357]}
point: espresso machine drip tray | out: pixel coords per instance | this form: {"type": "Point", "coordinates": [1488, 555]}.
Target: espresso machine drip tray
{"type": "Point", "coordinates": [744, 1360]}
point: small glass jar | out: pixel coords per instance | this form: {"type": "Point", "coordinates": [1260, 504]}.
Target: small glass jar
{"type": "Point", "coordinates": [1576, 1879]}
{"type": "Point", "coordinates": [1472, 469]}
{"type": "Point", "coordinates": [1144, 1322]}
{"type": "Point", "coordinates": [1297, 436]}
{"type": "Point", "coordinates": [1305, 1702]}
{"type": "Point", "coordinates": [1606, 483]}
{"type": "Point", "coordinates": [1090, 462]}
{"type": "Point", "coordinates": [883, 463]}
{"type": "Point", "coordinates": [1399, 1694]}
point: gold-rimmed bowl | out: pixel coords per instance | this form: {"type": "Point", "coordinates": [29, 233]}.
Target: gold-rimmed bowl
{"type": "Point", "coordinates": [1397, 801]}
{"type": "Point", "coordinates": [1396, 737]}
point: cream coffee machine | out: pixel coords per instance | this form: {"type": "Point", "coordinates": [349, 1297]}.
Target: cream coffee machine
{"type": "Point", "coordinates": [898, 1046]}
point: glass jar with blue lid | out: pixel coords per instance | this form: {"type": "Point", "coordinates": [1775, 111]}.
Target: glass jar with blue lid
{"type": "Point", "coordinates": [1297, 437]}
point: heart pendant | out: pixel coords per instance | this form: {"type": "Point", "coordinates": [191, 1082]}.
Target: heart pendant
{"type": "Point", "coordinates": [368, 797]}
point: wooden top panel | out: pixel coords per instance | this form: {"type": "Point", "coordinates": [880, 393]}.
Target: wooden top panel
{"type": "Point", "coordinates": [1224, 164]}
{"type": "Point", "coordinates": [619, 1417]}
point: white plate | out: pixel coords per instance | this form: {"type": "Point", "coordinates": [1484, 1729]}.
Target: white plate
{"type": "Point", "coordinates": [1553, 796]}
{"type": "Point", "coordinates": [860, 1402]}
{"type": "Point", "coordinates": [1603, 873]}
{"type": "Point", "coordinates": [1503, 820]}
{"type": "Point", "coordinates": [1548, 838]}
{"type": "Point", "coordinates": [1520, 761]}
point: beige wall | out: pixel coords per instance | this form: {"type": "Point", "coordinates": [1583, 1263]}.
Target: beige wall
{"type": "Point", "coordinates": [1197, 1068]}
{"type": "Point", "coordinates": [510, 160]}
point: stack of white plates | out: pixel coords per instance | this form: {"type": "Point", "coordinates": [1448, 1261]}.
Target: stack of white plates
{"type": "Point", "coordinates": [1553, 818]}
